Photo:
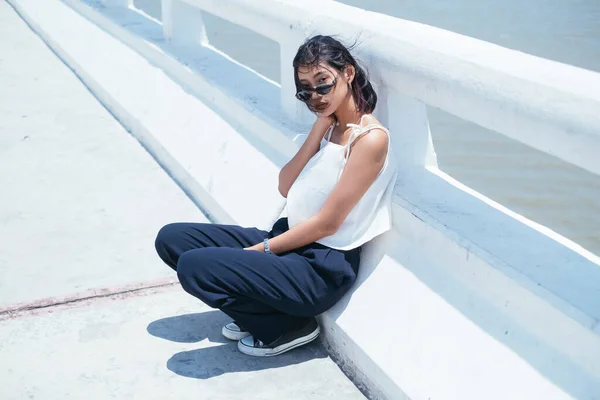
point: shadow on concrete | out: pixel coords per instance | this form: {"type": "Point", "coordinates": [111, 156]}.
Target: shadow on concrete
{"type": "Point", "coordinates": [370, 257]}
{"type": "Point", "coordinates": [557, 367]}
{"type": "Point", "coordinates": [191, 328]}
{"type": "Point", "coordinates": [208, 362]}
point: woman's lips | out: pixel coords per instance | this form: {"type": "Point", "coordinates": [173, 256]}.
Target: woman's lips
{"type": "Point", "coordinates": [321, 107]}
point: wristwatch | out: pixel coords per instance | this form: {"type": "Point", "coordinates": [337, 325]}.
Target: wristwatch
{"type": "Point", "coordinates": [267, 249]}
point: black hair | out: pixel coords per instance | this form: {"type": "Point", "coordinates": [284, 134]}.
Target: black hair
{"type": "Point", "coordinates": [325, 48]}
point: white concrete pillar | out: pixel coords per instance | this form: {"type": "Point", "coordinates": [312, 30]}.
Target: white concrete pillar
{"type": "Point", "coordinates": [407, 120]}
{"type": "Point", "coordinates": [182, 23]}
{"type": "Point", "coordinates": [293, 108]}
{"type": "Point", "coordinates": [167, 18]}
{"type": "Point", "coordinates": [118, 3]}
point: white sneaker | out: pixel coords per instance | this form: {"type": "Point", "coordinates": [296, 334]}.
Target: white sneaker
{"type": "Point", "coordinates": [288, 341]}
{"type": "Point", "coordinates": [233, 331]}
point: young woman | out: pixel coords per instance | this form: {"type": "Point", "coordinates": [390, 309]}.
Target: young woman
{"type": "Point", "coordinates": [338, 188]}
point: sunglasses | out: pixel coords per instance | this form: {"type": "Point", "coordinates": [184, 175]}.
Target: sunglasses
{"type": "Point", "coordinates": [306, 94]}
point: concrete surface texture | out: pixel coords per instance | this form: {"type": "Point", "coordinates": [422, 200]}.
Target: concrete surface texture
{"type": "Point", "coordinates": [161, 345]}
{"type": "Point", "coordinates": [80, 206]}
{"type": "Point", "coordinates": [81, 200]}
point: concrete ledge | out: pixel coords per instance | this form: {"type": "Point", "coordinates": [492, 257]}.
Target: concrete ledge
{"type": "Point", "coordinates": [441, 311]}
{"type": "Point", "coordinates": [446, 312]}
{"type": "Point", "coordinates": [553, 267]}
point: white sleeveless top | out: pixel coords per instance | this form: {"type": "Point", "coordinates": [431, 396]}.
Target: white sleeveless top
{"type": "Point", "coordinates": [370, 217]}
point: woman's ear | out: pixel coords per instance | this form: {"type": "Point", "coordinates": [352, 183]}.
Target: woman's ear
{"type": "Point", "coordinates": [350, 72]}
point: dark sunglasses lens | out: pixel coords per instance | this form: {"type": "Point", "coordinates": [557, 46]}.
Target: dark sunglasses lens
{"type": "Point", "coordinates": [325, 89]}
{"type": "Point", "coordinates": [303, 95]}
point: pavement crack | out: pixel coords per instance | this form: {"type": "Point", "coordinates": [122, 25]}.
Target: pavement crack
{"type": "Point", "coordinates": [19, 309]}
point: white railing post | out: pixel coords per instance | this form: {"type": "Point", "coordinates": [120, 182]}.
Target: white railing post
{"type": "Point", "coordinates": [118, 3]}
{"type": "Point", "coordinates": [182, 23]}
{"type": "Point", "coordinates": [409, 125]}
{"type": "Point", "coordinates": [166, 11]}
{"type": "Point", "coordinates": [293, 108]}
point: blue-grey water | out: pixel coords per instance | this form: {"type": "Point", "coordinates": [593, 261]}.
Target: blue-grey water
{"type": "Point", "coordinates": [540, 187]}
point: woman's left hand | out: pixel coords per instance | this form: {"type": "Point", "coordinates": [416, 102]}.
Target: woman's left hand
{"type": "Point", "coordinates": [257, 247]}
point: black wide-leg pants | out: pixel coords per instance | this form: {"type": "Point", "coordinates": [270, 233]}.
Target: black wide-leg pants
{"type": "Point", "coordinates": [266, 294]}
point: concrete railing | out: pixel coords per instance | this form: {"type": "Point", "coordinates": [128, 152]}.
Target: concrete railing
{"type": "Point", "coordinates": [464, 298]}
{"type": "Point", "coordinates": [547, 105]}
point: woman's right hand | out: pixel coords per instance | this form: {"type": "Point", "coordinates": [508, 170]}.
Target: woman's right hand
{"type": "Point", "coordinates": [323, 123]}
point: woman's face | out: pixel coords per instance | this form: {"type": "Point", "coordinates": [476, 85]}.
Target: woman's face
{"type": "Point", "coordinates": [316, 88]}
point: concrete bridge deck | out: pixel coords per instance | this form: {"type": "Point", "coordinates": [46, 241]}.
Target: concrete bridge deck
{"type": "Point", "coordinates": [86, 308]}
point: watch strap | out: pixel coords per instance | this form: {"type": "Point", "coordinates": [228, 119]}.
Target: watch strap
{"type": "Point", "coordinates": [267, 249]}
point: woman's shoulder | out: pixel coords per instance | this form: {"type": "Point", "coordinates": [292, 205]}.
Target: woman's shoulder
{"type": "Point", "coordinates": [376, 129]}
{"type": "Point", "coordinates": [369, 120]}
{"type": "Point", "coordinates": [371, 145]}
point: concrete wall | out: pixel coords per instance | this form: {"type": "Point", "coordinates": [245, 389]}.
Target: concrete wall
{"type": "Point", "coordinates": [464, 299]}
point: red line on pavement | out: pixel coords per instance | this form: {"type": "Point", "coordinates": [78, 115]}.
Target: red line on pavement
{"type": "Point", "coordinates": [13, 310]}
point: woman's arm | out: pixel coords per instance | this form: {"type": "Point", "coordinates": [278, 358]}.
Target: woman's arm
{"type": "Point", "coordinates": [289, 173]}
{"type": "Point", "coordinates": [368, 156]}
